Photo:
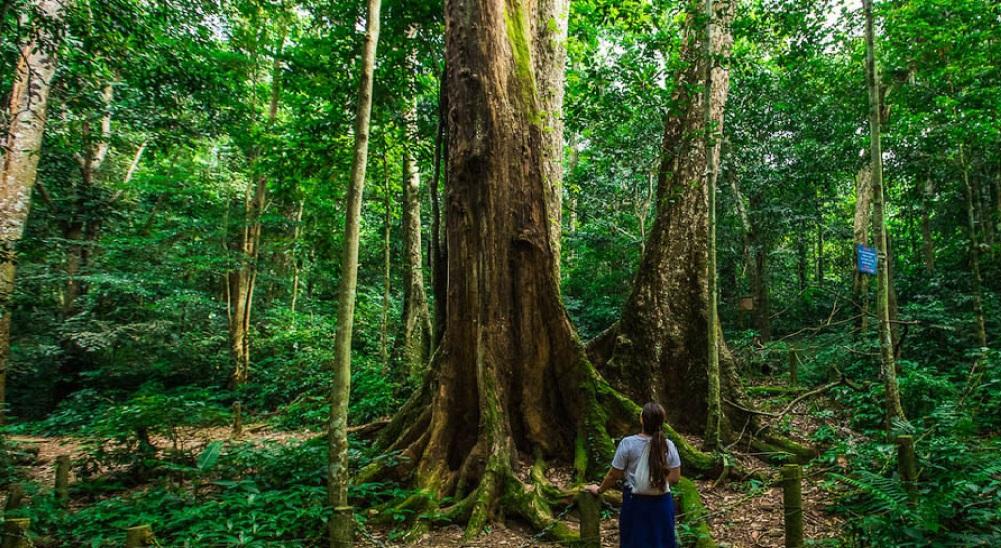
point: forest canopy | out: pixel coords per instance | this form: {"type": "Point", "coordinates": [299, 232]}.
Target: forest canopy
{"type": "Point", "coordinates": [334, 272]}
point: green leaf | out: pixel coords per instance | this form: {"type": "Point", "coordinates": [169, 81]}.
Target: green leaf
{"type": "Point", "coordinates": [209, 457]}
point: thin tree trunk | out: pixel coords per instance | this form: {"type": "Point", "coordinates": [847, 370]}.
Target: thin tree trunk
{"type": "Point", "coordinates": [387, 257]}
{"type": "Point", "coordinates": [337, 467]}
{"type": "Point", "coordinates": [439, 256]}
{"type": "Point", "coordinates": [242, 281]}
{"type": "Point", "coordinates": [971, 225]}
{"type": "Point", "coordinates": [414, 342]}
{"type": "Point", "coordinates": [860, 233]}
{"type": "Point", "coordinates": [22, 144]}
{"type": "Point", "coordinates": [928, 242]}
{"type": "Point", "coordinates": [714, 418]}
{"type": "Point", "coordinates": [821, 261]}
{"type": "Point", "coordinates": [296, 259]}
{"type": "Point", "coordinates": [83, 227]}
{"type": "Point", "coordinates": [894, 411]}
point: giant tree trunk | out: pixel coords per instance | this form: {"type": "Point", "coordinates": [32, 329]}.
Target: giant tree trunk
{"type": "Point", "coordinates": [894, 411]}
{"type": "Point", "coordinates": [340, 524]}
{"type": "Point", "coordinates": [661, 349]}
{"type": "Point", "coordinates": [414, 343]}
{"type": "Point", "coordinates": [511, 365]}
{"type": "Point", "coordinates": [22, 145]}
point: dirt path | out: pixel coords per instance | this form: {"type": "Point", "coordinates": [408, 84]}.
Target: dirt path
{"type": "Point", "coordinates": [737, 518]}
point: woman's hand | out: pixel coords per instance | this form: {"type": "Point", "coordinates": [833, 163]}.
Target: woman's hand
{"type": "Point", "coordinates": [593, 489]}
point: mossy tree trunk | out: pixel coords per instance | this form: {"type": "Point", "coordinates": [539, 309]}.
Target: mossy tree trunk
{"type": "Point", "coordinates": [661, 345]}
{"type": "Point", "coordinates": [22, 144]}
{"type": "Point", "coordinates": [511, 379]}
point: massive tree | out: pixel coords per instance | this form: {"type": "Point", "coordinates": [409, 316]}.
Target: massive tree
{"type": "Point", "coordinates": [28, 100]}
{"type": "Point", "coordinates": [659, 348]}
{"type": "Point", "coordinates": [510, 362]}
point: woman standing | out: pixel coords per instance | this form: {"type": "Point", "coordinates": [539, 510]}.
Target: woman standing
{"type": "Point", "coordinates": [650, 465]}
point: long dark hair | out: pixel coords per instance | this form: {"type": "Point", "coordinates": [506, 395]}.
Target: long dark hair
{"type": "Point", "coordinates": [653, 426]}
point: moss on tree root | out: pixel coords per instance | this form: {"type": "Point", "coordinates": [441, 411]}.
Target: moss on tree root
{"type": "Point", "coordinates": [692, 512]}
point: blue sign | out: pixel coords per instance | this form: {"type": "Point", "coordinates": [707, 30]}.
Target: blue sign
{"type": "Point", "coordinates": [867, 260]}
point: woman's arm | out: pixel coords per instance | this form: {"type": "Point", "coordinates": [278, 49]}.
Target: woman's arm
{"type": "Point", "coordinates": [674, 475]}
{"type": "Point", "coordinates": [611, 478]}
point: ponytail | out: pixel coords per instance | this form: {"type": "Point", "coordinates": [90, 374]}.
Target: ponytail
{"type": "Point", "coordinates": [653, 425]}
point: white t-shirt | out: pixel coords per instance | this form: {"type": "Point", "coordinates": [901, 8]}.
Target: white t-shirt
{"type": "Point", "coordinates": [628, 454]}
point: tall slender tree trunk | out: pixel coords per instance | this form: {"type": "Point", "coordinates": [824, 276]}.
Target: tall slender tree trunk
{"type": "Point", "coordinates": [894, 411]}
{"type": "Point", "coordinates": [297, 260]}
{"type": "Point", "coordinates": [22, 145]}
{"type": "Point", "coordinates": [821, 263]}
{"type": "Point", "coordinates": [971, 226]}
{"type": "Point", "coordinates": [928, 242]}
{"type": "Point", "coordinates": [438, 257]}
{"type": "Point", "coordinates": [414, 342]}
{"type": "Point", "coordinates": [242, 281]}
{"type": "Point", "coordinates": [387, 259]}
{"type": "Point", "coordinates": [83, 226]}
{"type": "Point", "coordinates": [341, 519]}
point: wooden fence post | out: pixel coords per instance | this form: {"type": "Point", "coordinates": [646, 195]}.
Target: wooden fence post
{"type": "Point", "coordinates": [590, 520]}
{"type": "Point", "coordinates": [15, 498]}
{"type": "Point", "coordinates": [63, 479]}
{"type": "Point", "coordinates": [792, 501]}
{"type": "Point", "coordinates": [237, 419]}
{"type": "Point", "coordinates": [906, 461]}
{"type": "Point", "coordinates": [15, 533]}
{"type": "Point", "coordinates": [140, 535]}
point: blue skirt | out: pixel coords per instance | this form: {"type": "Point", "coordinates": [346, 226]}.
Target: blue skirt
{"type": "Point", "coordinates": [646, 521]}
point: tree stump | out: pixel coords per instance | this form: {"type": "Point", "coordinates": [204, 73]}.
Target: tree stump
{"type": "Point", "coordinates": [62, 486]}
{"type": "Point", "coordinates": [792, 501]}
{"type": "Point", "coordinates": [140, 535]}
{"type": "Point", "coordinates": [15, 533]}
{"type": "Point", "coordinates": [590, 520]}
{"type": "Point", "coordinates": [237, 419]}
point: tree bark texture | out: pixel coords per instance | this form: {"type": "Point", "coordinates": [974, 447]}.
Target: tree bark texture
{"type": "Point", "coordinates": [338, 475]}
{"type": "Point", "coordinates": [894, 410]}
{"type": "Point", "coordinates": [22, 147]}
{"type": "Point", "coordinates": [510, 365]}
{"type": "Point", "coordinates": [662, 337]}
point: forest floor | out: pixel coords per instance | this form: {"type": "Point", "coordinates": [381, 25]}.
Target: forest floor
{"type": "Point", "coordinates": [740, 514]}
